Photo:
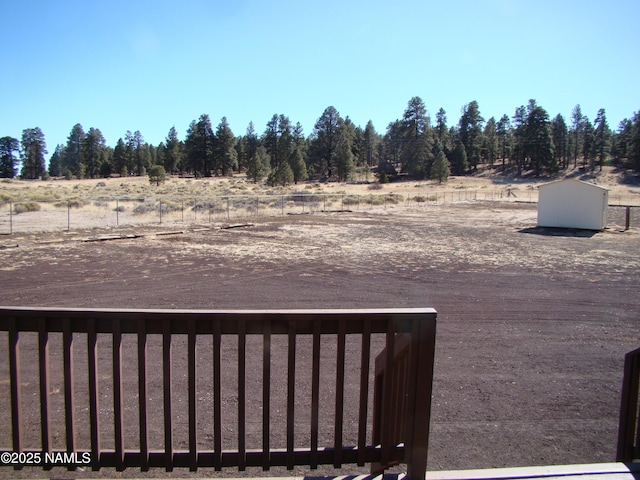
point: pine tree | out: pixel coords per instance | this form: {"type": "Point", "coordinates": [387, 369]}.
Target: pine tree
{"type": "Point", "coordinates": [416, 154]}
{"type": "Point", "coordinates": [442, 131]}
{"type": "Point", "coordinates": [577, 121]}
{"type": "Point", "coordinates": [440, 170]}
{"type": "Point", "coordinates": [259, 165]}
{"type": "Point", "coordinates": [538, 142]}
{"type": "Point", "coordinates": [34, 149]}
{"type": "Point", "coordinates": [8, 162]}
{"type": "Point", "coordinates": [72, 158]}
{"type": "Point", "coordinates": [470, 131]}
{"type": "Point", "coordinates": [370, 144]}
{"type": "Point", "coordinates": [634, 143]}
{"type": "Point", "coordinates": [459, 163]}
{"type": "Point", "coordinates": [603, 138]}
{"type": "Point", "coordinates": [172, 151]}
{"type": "Point", "coordinates": [490, 142]}
{"type": "Point", "coordinates": [298, 166]}
{"type": "Point", "coordinates": [283, 175]}
{"type": "Point", "coordinates": [503, 130]}
{"type": "Point", "coordinates": [119, 160]}
{"type": "Point", "coordinates": [226, 157]}
{"type": "Point", "coordinates": [325, 140]}
{"type": "Point", "coordinates": [199, 146]}
{"type": "Point", "coordinates": [344, 160]}
{"type": "Point", "coordinates": [622, 140]}
{"type": "Point", "coordinates": [157, 174]}
{"type": "Point", "coordinates": [93, 147]}
{"type": "Point", "coordinates": [560, 136]}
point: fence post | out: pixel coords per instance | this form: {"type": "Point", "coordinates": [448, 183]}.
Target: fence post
{"type": "Point", "coordinates": [282, 205]}
{"type": "Point", "coordinates": [68, 215]}
{"type": "Point", "coordinates": [161, 211]}
{"type": "Point", "coordinates": [257, 205]}
{"type": "Point", "coordinates": [627, 218]}
{"type": "Point", "coordinates": [117, 213]}
{"type": "Point", "coordinates": [10, 217]}
{"type": "Point", "coordinates": [228, 212]}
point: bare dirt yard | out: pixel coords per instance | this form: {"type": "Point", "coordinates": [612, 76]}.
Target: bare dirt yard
{"type": "Point", "coordinates": [533, 324]}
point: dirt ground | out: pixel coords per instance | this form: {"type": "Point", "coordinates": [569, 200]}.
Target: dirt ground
{"type": "Point", "coordinates": [533, 324]}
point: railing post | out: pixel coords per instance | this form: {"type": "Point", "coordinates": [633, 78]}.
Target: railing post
{"type": "Point", "coordinates": [629, 409]}
{"type": "Point", "coordinates": [418, 412]}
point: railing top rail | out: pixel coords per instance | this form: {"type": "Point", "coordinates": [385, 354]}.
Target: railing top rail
{"type": "Point", "coordinates": [171, 311]}
{"type": "Point", "coordinates": [353, 320]}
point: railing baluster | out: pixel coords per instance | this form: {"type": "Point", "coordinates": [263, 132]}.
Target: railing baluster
{"type": "Point", "coordinates": [45, 412]}
{"type": "Point", "coordinates": [339, 410]}
{"type": "Point", "coordinates": [94, 411]}
{"type": "Point", "coordinates": [191, 379]}
{"type": "Point", "coordinates": [118, 420]}
{"type": "Point", "coordinates": [365, 358]}
{"type": "Point", "coordinates": [387, 394]}
{"type": "Point", "coordinates": [67, 341]}
{"type": "Point", "coordinates": [242, 366]}
{"type": "Point", "coordinates": [217, 397]}
{"type": "Point", "coordinates": [266, 393]}
{"type": "Point", "coordinates": [315, 393]}
{"type": "Point", "coordinates": [166, 383]}
{"type": "Point", "coordinates": [291, 386]}
{"type": "Point", "coordinates": [14, 375]}
{"type": "Point", "coordinates": [142, 394]}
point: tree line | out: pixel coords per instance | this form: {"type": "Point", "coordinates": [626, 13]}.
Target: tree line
{"type": "Point", "coordinates": [529, 142]}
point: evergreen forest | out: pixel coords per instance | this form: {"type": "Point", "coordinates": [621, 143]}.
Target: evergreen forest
{"type": "Point", "coordinates": [528, 143]}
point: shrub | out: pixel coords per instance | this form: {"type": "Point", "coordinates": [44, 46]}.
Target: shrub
{"type": "Point", "coordinates": [73, 203]}
{"type": "Point", "coordinates": [143, 208]}
{"type": "Point", "coordinates": [157, 174]}
{"type": "Point", "coordinates": [26, 207]}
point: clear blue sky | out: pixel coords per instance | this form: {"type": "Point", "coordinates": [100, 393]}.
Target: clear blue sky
{"type": "Point", "coordinates": [123, 65]}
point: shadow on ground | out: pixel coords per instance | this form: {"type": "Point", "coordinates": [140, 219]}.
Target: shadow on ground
{"type": "Point", "coordinates": [559, 232]}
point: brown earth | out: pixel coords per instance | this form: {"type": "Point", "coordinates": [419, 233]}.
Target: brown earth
{"type": "Point", "coordinates": [533, 324]}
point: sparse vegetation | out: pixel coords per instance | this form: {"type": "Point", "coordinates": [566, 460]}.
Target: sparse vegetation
{"type": "Point", "coordinates": [25, 207]}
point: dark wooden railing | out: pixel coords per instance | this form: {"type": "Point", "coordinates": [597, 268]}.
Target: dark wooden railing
{"type": "Point", "coordinates": [217, 362]}
{"type": "Point", "coordinates": [629, 429]}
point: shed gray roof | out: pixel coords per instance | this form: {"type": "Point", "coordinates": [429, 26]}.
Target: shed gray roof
{"type": "Point", "coordinates": [589, 184]}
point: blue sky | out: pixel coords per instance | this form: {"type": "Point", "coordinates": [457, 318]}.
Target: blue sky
{"type": "Point", "coordinates": [149, 65]}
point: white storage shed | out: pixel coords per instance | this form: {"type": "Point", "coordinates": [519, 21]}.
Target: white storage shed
{"type": "Point", "coordinates": [573, 204]}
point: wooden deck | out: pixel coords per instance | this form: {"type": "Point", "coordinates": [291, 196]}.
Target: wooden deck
{"type": "Point", "coordinates": [595, 471]}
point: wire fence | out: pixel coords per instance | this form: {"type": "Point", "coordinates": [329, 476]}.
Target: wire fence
{"type": "Point", "coordinates": [32, 216]}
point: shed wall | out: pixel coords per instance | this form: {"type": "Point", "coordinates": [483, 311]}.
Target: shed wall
{"type": "Point", "coordinates": [572, 204]}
